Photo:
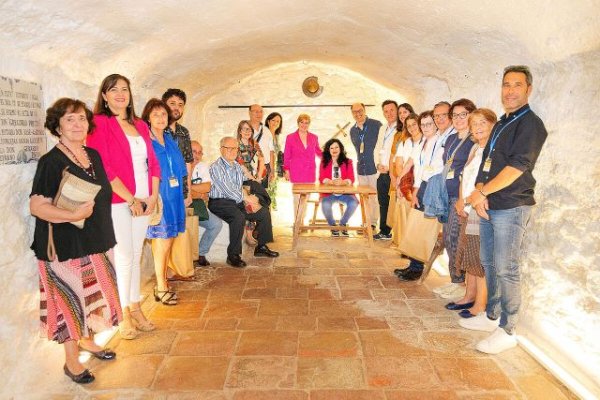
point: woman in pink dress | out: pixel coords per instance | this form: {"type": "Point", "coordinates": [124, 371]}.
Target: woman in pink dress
{"type": "Point", "coordinates": [301, 150]}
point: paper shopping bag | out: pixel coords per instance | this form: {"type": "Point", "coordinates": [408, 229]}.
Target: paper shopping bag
{"type": "Point", "coordinates": [419, 236]}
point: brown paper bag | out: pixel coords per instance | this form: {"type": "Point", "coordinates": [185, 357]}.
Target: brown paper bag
{"type": "Point", "coordinates": [181, 260]}
{"type": "Point", "coordinates": [419, 236]}
{"type": "Point", "coordinates": [401, 210]}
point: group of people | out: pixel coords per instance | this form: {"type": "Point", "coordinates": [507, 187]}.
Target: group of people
{"type": "Point", "coordinates": [456, 161]}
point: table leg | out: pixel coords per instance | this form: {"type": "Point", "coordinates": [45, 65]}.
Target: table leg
{"type": "Point", "coordinates": [299, 218]}
{"type": "Point", "coordinates": [364, 204]}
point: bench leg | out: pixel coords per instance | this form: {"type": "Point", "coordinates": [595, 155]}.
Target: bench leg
{"type": "Point", "coordinates": [299, 219]}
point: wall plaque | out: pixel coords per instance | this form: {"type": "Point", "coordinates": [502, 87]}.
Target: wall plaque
{"type": "Point", "coordinates": [22, 136]}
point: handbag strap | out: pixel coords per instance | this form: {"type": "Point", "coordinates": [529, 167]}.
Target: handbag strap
{"type": "Point", "coordinates": [51, 249]}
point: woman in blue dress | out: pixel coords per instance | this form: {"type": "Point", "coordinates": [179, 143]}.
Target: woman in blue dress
{"type": "Point", "coordinates": [173, 170]}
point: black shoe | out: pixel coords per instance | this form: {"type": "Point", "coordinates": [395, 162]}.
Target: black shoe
{"type": "Point", "coordinates": [410, 276]}
{"type": "Point", "coordinates": [84, 377]}
{"type": "Point", "coordinates": [335, 233]}
{"type": "Point", "coordinates": [104, 354]}
{"type": "Point", "coordinates": [401, 271]}
{"type": "Point", "coordinates": [201, 262]}
{"type": "Point", "coordinates": [264, 251]}
{"type": "Point", "coordinates": [344, 233]}
{"type": "Point", "coordinates": [382, 236]}
{"type": "Point", "coordinates": [236, 261]}
{"type": "Point", "coordinates": [455, 307]}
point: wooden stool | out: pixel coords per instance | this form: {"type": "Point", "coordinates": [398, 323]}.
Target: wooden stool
{"type": "Point", "coordinates": [317, 203]}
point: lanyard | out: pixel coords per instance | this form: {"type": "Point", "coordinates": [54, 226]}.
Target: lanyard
{"type": "Point", "coordinates": [451, 158]}
{"type": "Point", "coordinates": [432, 153]}
{"type": "Point", "coordinates": [496, 135]}
{"type": "Point", "coordinates": [388, 132]}
{"type": "Point", "coordinates": [166, 151]}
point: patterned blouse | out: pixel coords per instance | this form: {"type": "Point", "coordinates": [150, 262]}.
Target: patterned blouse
{"type": "Point", "coordinates": [248, 155]}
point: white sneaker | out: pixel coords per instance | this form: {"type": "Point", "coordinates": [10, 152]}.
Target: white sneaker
{"type": "Point", "coordinates": [454, 292]}
{"type": "Point", "coordinates": [481, 322]}
{"type": "Point", "coordinates": [497, 342]}
{"type": "Point", "coordinates": [442, 288]}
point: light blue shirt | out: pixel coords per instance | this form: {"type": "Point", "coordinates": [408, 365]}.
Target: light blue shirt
{"type": "Point", "coordinates": [227, 179]}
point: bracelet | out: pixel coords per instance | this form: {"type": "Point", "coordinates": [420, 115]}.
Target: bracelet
{"type": "Point", "coordinates": [483, 194]}
{"type": "Point", "coordinates": [132, 202]}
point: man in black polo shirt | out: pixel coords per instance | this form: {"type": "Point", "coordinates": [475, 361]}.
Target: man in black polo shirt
{"type": "Point", "coordinates": [365, 135]}
{"type": "Point", "coordinates": [503, 198]}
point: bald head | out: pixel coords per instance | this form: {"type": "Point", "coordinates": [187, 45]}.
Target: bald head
{"type": "Point", "coordinates": [197, 151]}
{"type": "Point", "coordinates": [255, 111]}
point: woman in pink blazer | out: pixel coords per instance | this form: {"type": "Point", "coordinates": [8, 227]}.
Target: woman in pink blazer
{"type": "Point", "coordinates": [123, 142]}
{"type": "Point", "coordinates": [337, 170]}
{"type": "Point", "coordinates": [301, 150]}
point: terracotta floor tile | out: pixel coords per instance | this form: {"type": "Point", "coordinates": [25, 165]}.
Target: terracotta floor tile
{"type": "Point", "coordinates": [127, 372]}
{"type": "Point", "coordinates": [262, 372]}
{"type": "Point", "coordinates": [314, 254]}
{"type": "Point", "coordinates": [292, 271]}
{"type": "Point", "coordinates": [267, 343]}
{"type": "Point", "coordinates": [542, 387]}
{"type": "Point", "coordinates": [221, 295]}
{"type": "Point", "coordinates": [336, 324]}
{"type": "Point", "coordinates": [368, 323]}
{"type": "Point", "coordinates": [324, 294]}
{"type": "Point", "coordinates": [266, 293]}
{"type": "Point", "coordinates": [421, 394]}
{"type": "Point", "coordinates": [257, 323]}
{"type": "Point", "coordinates": [330, 373]}
{"type": "Point", "coordinates": [195, 395]}
{"type": "Point", "coordinates": [392, 343]}
{"type": "Point", "coordinates": [205, 343]}
{"type": "Point", "coordinates": [384, 308]}
{"type": "Point", "coordinates": [327, 264]}
{"type": "Point", "coordinates": [155, 342]}
{"type": "Point", "coordinates": [228, 282]}
{"type": "Point", "coordinates": [295, 323]}
{"type": "Point", "coordinates": [346, 271]}
{"type": "Point", "coordinates": [221, 324]}
{"type": "Point", "coordinates": [365, 263]}
{"type": "Point", "coordinates": [283, 307]}
{"type": "Point", "coordinates": [180, 311]}
{"type": "Point", "coordinates": [392, 282]}
{"type": "Point", "coordinates": [192, 373]}
{"type": "Point", "coordinates": [194, 295]}
{"type": "Point", "coordinates": [285, 261]}
{"type": "Point", "coordinates": [428, 308]}
{"type": "Point", "coordinates": [356, 294]}
{"type": "Point", "coordinates": [282, 281]}
{"type": "Point", "coordinates": [328, 344]}
{"type": "Point", "coordinates": [292, 293]}
{"type": "Point", "coordinates": [193, 324]}
{"type": "Point", "coordinates": [340, 394]}
{"type": "Point", "coordinates": [237, 309]}
{"type": "Point", "coordinates": [317, 271]}
{"type": "Point", "coordinates": [420, 292]}
{"type": "Point", "coordinates": [459, 343]}
{"type": "Point", "coordinates": [374, 271]}
{"type": "Point", "coordinates": [270, 395]}
{"type": "Point", "coordinates": [405, 323]}
{"type": "Point", "coordinates": [400, 372]}
{"type": "Point", "coordinates": [327, 308]}
{"type": "Point", "coordinates": [388, 294]}
{"type": "Point", "coordinates": [467, 373]}
{"type": "Point", "coordinates": [358, 282]}
{"type": "Point", "coordinates": [318, 281]}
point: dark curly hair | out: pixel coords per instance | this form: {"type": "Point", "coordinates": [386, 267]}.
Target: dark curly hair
{"type": "Point", "coordinates": [342, 159]}
{"type": "Point", "coordinates": [63, 106]}
{"type": "Point", "coordinates": [174, 92]}
{"type": "Point", "coordinates": [151, 105]}
{"type": "Point", "coordinates": [270, 117]}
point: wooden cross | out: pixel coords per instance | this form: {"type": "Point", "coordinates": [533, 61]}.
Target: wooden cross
{"type": "Point", "coordinates": [341, 129]}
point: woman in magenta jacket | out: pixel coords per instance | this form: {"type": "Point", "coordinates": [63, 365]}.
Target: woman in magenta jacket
{"type": "Point", "coordinates": [336, 169]}
{"type": "Point", "coordinates": [123, 142]}
{"type": "Point", "coordinates": [301, 150]}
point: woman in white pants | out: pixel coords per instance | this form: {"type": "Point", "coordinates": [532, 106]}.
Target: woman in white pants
{"type": "Point", "coordinates": [123, 142]}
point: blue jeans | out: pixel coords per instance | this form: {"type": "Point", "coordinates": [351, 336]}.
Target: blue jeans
{"type": "Point", "coordinates": [500, 249]}
{"type": "Point", "coordinates": [212, 228]}
{"type": "Point", "coordinates": [349, 202]}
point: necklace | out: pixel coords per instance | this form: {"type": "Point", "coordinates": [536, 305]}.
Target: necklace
{"type": "Point", "coordinates": [89, 170]}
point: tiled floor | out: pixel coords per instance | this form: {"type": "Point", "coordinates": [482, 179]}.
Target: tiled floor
{"type": "Point", "coordinates": [329, 321]}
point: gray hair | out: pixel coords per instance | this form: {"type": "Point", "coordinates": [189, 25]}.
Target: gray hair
{"type": "Point", "coordinates": [524, 69]}
{"type": "Point", "coordinates": [224, 139]}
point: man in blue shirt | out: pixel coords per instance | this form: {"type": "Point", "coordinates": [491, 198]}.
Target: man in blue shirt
{"type": "Point", "coordinates": [365, 136]}
{"type": "Point", "coordinates": [227, 201]}
{"type": "Point", "coordinates": [503, 198]}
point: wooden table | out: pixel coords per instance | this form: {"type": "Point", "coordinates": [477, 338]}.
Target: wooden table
{"type": "Point", "coordinates": [305, 190]}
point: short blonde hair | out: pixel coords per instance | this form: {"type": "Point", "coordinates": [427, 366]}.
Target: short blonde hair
{"type": "Point", "coordinates": [302, 117]}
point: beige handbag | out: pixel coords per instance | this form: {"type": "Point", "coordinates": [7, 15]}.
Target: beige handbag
{"type": "Point", "coordinates": [156, 215]}
{"type": "Point", "coordinates": [420, 236]}
{"type": "Point", "coordinates": [185, 247]}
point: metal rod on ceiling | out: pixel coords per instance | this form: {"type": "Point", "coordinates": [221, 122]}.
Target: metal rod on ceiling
{"type": "Point", "coordinates": [299, 106]}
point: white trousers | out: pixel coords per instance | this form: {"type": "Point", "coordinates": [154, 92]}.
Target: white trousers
{"type": "Point", "coordinates": [371, 180]}
{"type": "Point", "coordinates": [130, 233]}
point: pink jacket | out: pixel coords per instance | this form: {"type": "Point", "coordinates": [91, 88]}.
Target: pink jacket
{"type": "Point", "coordinates": [300, 160]}
{"type": "Point", "coordinates": [110, 141]}
{"type": "Point", "coordinates": [346, 172]}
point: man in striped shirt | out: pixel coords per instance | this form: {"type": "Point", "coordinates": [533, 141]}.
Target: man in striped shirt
{"type": "Point", "coordinates": [227, 202]}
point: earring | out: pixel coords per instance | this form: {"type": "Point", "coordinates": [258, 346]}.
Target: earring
{"type": "Point", "coordinates": [106, 105]}
{"type": "Point", "coordinates": [129, 106]}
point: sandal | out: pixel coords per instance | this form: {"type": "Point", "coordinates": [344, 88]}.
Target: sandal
{"type": "Point", "coordinates": [127, 331]}
{"type": "Point", "coordinates": [165, 297]}
{"type": "Point", "coordinates": [142, 324]}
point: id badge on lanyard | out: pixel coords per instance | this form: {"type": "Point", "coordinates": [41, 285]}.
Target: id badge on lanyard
{"type": "Point", "coordinates": [173, 182]}
{"type": "Point", "coordinates": [487, 165]}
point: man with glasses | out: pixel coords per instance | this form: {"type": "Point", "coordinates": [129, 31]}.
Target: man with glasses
{"type": "Point", "coordinates": [263, 137]}
{"type": "Point", "coordinates": [227, 201]}
{"type": "Point", "coordinates": [365, 137]}
{"type": "Point", "coordinates": [200, 187]}
{"type": "Point", "coordinates": [503, 198]}
{"type": "Point", "coordinates": [442, 120]}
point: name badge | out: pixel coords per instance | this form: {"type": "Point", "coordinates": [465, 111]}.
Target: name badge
{"type": "Point", "coordinates": [429, 169]}
{"type": "Point", "coordinates": [487, 165]}
{"type": "Point", "coordinates": [450, 174]}
{"type": "Point", "coordinates": [362, 147]}
{"type": "Point", "coordinates": [173, 182]}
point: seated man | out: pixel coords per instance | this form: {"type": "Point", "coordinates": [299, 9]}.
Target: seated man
{"type": "Point", "coordinates": [227, 202]}
{"type": "Point", "coordinates": [200, 188]}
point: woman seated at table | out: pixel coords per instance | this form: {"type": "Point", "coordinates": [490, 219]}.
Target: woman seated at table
{"type": "Point", "coordinates": [336, 169]}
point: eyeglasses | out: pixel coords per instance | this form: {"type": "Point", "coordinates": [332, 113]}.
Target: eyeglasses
{"type": "Point", "coordinates": [427, 125]}
{"type": "Point", "coordinates": [440, 116]}
{"type": "Point", "coordinates": [358, 112]}
{"type": "Point", "coordinates": [229, 148]}
{"type": "Point", "coordinates": [246, 129]}
{"type": "Point", "coordinates": [461, 115]}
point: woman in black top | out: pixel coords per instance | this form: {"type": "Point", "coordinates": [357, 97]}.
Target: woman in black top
{"type": "Point", "coordinates": [78, 290]}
